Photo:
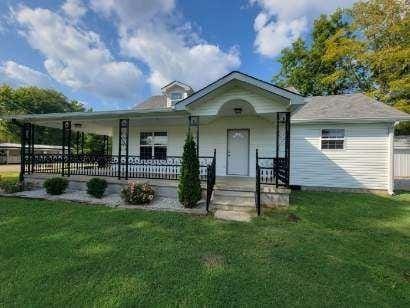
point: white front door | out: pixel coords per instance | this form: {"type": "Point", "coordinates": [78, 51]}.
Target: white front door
{"type": "Point", "coordinates": [238, 152]}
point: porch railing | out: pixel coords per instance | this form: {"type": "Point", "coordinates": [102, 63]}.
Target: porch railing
{"type": "Point", "coordinates": [109, 166]}
{"type": "Point", "coordinates": [210, 181]}
{"type": "Point", "coordinates": [270, 171]}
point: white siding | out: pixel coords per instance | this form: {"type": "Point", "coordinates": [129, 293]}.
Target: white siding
{"type": "Point", "coordinates": [362, 164]}
{"type": "Point", "coordinates": [212, 136]}
{"type": "Point", "coordinates": [261, 103]}
{"type": "Point", "coordinates": [402, 157]}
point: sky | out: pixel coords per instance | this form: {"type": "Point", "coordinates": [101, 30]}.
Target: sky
{"type": "Point", "coordinates": [112, 54]}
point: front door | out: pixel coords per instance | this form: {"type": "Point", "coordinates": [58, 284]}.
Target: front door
{"type": "Point", "coordinates": [238, 152]}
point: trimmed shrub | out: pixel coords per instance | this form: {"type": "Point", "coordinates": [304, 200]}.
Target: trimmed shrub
{"type": "Point", "coordinates": [189, 187]}
{"type": "Point", "coordinates": [55, 186]}
{"type": "Point", "coordinates": [96, 187]}
{"type": "Point", "coordinates": [11, 186]}
{"type": "Point", "coordinates": [137, 193]}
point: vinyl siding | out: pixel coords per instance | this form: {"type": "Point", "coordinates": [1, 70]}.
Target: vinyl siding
{"type": "Point", "coordinates": [212, 136]}
{"type": "Point", "coordinates": [261, 103]}
{"type": "Point", "coordinates": [363, 163]}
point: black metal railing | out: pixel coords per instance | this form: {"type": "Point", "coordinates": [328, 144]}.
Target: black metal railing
{"type": "Point", "coordinates": [210, 181]}
{"type": "Point", "coordinates": [270, 171]}
{"type": "Point", "coordinates": [111, 166]}
{"type": "Point", "coordinates": [257, 185]}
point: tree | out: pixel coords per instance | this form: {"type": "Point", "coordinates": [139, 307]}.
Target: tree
{"type": "Point", "coordinates": [303, 65]}
{"type": "Point", "coordinates": [189, 187]}
{"type": "Point", "coordinates": [364, 49]}
{"type": "Point", "coordinates": [26, 100]}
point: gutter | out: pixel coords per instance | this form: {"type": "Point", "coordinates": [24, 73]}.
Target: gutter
{"type": "Point", "coordinates": [96, 115]}
{"type": "Point", "coordinates": [350, 120]}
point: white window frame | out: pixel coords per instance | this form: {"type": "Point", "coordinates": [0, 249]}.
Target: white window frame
{"type": "Point", "coordinates": [333, 139]}
{"type": "Point", "coordinates": [173, 101]}
{"type": "Point", "coordinates": [153, 145]}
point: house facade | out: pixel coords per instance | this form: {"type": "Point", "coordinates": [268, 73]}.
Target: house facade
{"type": "Point", "coordinates": [244, 128]}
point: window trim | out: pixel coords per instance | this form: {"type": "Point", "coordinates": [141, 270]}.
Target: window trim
{"type": "Point", "coordinates": [174, 101]}
{"type": "Point", "coordinates": [335, 138]}
{"type": "Point", "coordinates": [153, 145]}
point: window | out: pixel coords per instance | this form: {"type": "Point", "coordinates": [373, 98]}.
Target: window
{"type": "Point", "coordinates": [175, 97]}
{"type": "Point", "coordinates": [153, 145]}
{"type": "Point", "coordinates": [333, 139]}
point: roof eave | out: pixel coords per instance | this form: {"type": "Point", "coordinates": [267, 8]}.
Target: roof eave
{"type": "Point", "coordinates": [351, 120]}
{"type": "Point", "coordinates": [94, 115]}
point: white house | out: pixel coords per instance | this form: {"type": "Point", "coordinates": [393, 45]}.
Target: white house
{"type": "Point", "coordinates": [341, 141]}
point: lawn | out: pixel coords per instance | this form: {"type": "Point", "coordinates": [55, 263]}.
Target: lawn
{"type": "Point", "coordinates": [346, 250]}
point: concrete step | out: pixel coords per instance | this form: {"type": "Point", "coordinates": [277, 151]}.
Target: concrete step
{"type": "Point", "coordinates": [234, 193]}
{"type": "Point", "coordinates": [234, 188]}
{"type": "Point", "coordinates": [234, 208]}
{"type": "Point", "coordinates": [234, 215]}
{"type": "Point", "coordinates": [234, 201]}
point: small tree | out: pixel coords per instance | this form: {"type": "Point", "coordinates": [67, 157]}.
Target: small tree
{"type": "Point", "coordinates": [189, 188]}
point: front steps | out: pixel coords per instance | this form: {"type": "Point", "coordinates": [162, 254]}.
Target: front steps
{"type": "Point", "coordinates": [234, 198]}
{"type": "Point", "coordinates": [237, 205]}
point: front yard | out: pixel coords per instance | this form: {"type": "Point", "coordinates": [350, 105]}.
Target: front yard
{"type": "Point", "coordinates": [347, 250]}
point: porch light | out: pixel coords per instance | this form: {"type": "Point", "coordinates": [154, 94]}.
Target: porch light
{"type": "Point", "coordinates": [237, 110]}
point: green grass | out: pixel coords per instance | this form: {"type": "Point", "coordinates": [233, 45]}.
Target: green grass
{"type": "Point", "coordinates": [347, 250]}
{"type": "Point", "coordinates": [9, 176]}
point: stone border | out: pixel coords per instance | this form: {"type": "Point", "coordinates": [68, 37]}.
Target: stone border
{"type": "Point", "coordinates": [110, 200]}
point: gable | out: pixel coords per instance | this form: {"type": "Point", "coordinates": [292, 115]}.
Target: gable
{"type": "Point", "coordinates": [234, 95]}
{"type": "Point", "coordinates": [291, 97]}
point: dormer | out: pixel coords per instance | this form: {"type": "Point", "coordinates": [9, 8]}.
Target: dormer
{"type": "Point", "coordinates": [176, 91]}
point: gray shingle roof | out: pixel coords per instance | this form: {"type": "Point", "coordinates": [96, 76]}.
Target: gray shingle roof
{"type": "Point", "coordinates": [346, 107]}
{"type": "Point", "coordinates": [154, 102]}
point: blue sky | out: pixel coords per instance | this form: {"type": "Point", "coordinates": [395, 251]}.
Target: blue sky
{"type": "Point", "coordinates": [111, 54]}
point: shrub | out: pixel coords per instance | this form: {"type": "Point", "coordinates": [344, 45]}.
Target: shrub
{"type": "Point", "coordinates": [96, 187]}
{"type": "Point", "coordinates": [55, 186]}
{"type": "Point", "coordinates": [189, 187]}
{"type": "Point", "coordinates": [12, 186]}
{"type": "Point", "coordinates": [137, 193]}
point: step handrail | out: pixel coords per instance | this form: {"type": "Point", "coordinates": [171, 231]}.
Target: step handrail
{"type": "Point", "coordinates": [257, 185]}
{"type": "Point", "coordinates": [210, 180]}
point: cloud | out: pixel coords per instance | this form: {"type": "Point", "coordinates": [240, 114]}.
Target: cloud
{"type": "Point", "coordinates": [74, 9]}
{"type": "Point", "coordinates": [281, 22]}
{"type": "Point", "coordinates": [76, 57]}
{"type": "Point", "coordinates": [153, 32]}
{"type": "Point", "coordinates": [15, 74]}
{"type": "Point", "coordinates": [131, 13]}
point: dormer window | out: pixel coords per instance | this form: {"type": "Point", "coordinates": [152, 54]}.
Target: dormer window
{"type": "Point", "coordinates": [175, 97]}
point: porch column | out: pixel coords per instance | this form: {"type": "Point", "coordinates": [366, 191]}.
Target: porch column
{"type": "Point", "coordinates": [66, 149]}
{"type": "Point", "coordinates": [25, 148]}
{"type": "Point", "coordinates": [106, 143]}
{"type": "Point", "coordinates": [82, 143]}
{"type": "Point", "coordinates": [282, 139]}
{"type": "Point", "coordinates": [194, 122]}
{"type": "Point", "coordinates": [276, 162]}
{"type": "Point", "coordinates": [123, 145]}
{"type": "Point", "coordinates": [77, 143]}
{"type": "Point", "coordinates": [32, 157]}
